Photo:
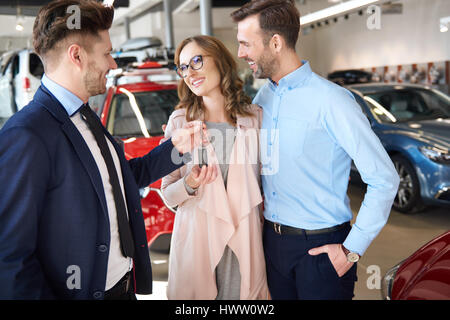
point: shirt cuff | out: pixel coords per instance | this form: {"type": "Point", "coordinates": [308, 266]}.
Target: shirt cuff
{"type": "Point", "coordinates": [189, 190]}
{"type": "Point", "coordinates": [357, 241]}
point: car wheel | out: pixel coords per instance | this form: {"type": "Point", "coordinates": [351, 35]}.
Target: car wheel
{"type": "Point", "coordinates": [408, 198]}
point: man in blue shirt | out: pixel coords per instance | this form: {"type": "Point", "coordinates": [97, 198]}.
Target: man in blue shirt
{"type": "Point", "coordinates": [311, 131]}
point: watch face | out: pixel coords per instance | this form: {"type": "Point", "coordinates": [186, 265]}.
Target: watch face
{"type": "Point", "coordinates": [353, 257]}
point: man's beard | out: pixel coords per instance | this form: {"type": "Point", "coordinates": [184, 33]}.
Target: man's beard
{"type": "Point", "coordinates": [266, 66]}
{"type": "Point", "coordinates": [93, 81]}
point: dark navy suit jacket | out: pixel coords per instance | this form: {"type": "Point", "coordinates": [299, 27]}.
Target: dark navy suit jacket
{"type": "Point", "coordinates": [54, 223]}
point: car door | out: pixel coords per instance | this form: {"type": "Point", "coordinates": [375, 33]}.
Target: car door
{"type": "Point", "coordinates": [36, 71]}
{"type": "Point", "coordinates": [7, 101]}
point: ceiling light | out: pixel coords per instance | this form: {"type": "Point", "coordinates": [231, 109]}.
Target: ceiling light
{"type": "Point", "coordinates": [108, 3]}
{"type": "Point", "coordinates": [335, 10]}
{"type": "Point", "coordinates": [444, 23]}
{"type": "Point", "coordinates": [19, 20]}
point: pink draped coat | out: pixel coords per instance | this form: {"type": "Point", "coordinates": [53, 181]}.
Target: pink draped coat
{"type": "Point", "coordinates": [215, 217]}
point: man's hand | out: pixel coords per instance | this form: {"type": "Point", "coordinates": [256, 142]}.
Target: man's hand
{"type": "Point", "coordinates": [188, 137]}
{"type": "Point", "coordinates": [337, 257]}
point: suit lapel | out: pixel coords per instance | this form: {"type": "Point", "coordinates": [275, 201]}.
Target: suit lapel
{"type": "Point", "coordinates": [243, 191]}
{"type": "Point", "coordinates": [87, 160]}
{"type": "Point", "coordinates": [243, 172]}
{"type": "Point", "coordinates": [46, 99]}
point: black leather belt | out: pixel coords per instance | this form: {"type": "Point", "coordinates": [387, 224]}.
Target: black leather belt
{"type": "Point", "coordinates": [282, 229]}
{"type": "Point", "coordinates": [120, 288]}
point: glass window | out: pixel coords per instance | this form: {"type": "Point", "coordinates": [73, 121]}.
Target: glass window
{"type": "Point", "coordinates": [96, 103]}
{"type": "Point", "coordinates": [141, 113]}
{"type": "Point", "coordinates": [15, 66]}
{"type": "Point", "coordinates": [409, 104]}
{"type": "Point", "coordinates": [36, 66]}
{"type": "Point", "coordinates": [5, 61]}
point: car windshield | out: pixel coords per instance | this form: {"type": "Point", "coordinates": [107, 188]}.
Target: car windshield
{"type": "Point", "coordinates": [408, 104]}
{"type": "Point", "coordinates": [141, 113]}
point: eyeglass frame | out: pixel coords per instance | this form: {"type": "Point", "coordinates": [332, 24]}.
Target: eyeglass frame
{"type": "Point", "coordinates": [177, 68]}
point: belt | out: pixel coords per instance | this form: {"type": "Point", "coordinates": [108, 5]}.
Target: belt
{"type": "Point", "coordinates": [282, 229]}
{"type": "Point", "coordinates": [120, 288]}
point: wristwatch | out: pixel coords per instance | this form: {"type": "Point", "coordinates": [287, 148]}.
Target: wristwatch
{"type": "Point", "coordinates": [351, 256]}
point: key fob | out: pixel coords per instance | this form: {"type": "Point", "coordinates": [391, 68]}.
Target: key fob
{"type": "Point", "coordinates": [202, 157]}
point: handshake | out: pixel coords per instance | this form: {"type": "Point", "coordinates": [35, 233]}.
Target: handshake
{"type": "Point", "coordinates": [193, 135]}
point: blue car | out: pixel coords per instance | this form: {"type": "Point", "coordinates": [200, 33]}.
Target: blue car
{"type": "Point", "coordinates": [413, 124]}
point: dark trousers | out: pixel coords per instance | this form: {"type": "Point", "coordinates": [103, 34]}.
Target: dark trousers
{"type": "Point", "coordinates": [123, 290]}
{"type": "Point", "coordinates": [293, 274]}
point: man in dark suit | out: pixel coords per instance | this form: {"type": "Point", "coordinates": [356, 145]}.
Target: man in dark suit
{"type": "Point", "coordinates": [71, 225]}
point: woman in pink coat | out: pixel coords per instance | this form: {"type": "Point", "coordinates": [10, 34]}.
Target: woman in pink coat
{"type": "Point", "coordinates": [216, 249]}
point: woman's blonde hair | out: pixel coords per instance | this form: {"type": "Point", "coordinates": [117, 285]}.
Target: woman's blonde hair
{"type": "Point", "coordinates": [236, 101]}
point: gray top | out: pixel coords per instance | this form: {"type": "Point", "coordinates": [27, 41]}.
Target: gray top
{"type": "Point", "coordinates": [222, 136]}
{"type": "Point", "coordinates": [228, 278]}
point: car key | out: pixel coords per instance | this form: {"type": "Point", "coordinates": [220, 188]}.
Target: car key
{"type": "Point", "coordinates": [202, 154]}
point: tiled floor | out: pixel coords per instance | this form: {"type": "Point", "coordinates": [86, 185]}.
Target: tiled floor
{"type": "Point", "coordinates": [402, 235]}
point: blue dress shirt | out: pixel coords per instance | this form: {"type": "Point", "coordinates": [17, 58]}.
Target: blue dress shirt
{"type": "Point", "coordinates": [69, 101]}
{"type": "Point", "coordinates": [311, 131]}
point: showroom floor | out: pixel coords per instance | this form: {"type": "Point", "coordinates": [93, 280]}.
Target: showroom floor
{"type": "Point", "coordinates": [402, 235]}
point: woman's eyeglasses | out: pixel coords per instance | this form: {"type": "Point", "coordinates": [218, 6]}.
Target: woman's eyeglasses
{"type": "Point", "coordinates": [196, 63]}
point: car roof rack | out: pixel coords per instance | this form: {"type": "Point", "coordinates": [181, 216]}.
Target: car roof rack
{"type": "Point", "coordinates": [155, 71]}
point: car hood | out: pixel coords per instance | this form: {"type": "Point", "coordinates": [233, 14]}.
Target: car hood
{"type": "Point", "coordinates": [139, 146]}
{"type": "Point", "coordinates": [434, 132]}
{"type": "Point", "coordinates": [424, 275]}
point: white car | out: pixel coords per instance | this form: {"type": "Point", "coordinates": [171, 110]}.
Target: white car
{"type": "Point", "coordinates": [20, 76]}
{"type": "Point", "coordinates": [138, 50]}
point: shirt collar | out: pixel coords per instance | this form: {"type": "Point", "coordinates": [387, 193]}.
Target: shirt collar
{"type": "Point", "coordinates": [69, 101]}
{"type": "Point", "coordinates": [295, 78]}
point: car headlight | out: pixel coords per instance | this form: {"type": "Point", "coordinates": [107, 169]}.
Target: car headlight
{"type": "Point", "coordinates": [143, 192]}
{"type": "Point", "coordinates": [436, 154]}
{"type": "Point", "coordinates": [388, 282]}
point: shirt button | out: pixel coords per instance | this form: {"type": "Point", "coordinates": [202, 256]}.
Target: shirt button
{"type": "Point", "coordinates": [273, 216]}
{"type": "Point", "coordinates": [102, 248]}
{"type": "Point", "coordinates": [97, 295]}
{"type": "Point", "coordinates": [274, 194]}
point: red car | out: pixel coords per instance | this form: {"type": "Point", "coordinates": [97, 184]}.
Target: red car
{"type": "Point", "coordinates": [134, 108]}
{"type": "Point", "coordinates": [425, 275]}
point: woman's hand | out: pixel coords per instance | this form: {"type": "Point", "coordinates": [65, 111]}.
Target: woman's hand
{"type": "Point", "coordinates": [198, 177]}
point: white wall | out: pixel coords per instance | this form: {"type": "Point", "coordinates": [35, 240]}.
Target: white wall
{"type": "Point", "coordinates": [410, 37]}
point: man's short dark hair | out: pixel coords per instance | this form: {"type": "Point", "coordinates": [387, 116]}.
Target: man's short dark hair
{"type": "Point", "coordinates": [275, 17]}
{"type": "Point", "coordinates": [52, 23]}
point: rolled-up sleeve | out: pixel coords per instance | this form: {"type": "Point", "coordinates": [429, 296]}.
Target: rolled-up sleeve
{"type": "Point", "coordinates": [172, 185]}
{"type": "Point", "coordinates": [351, 130]}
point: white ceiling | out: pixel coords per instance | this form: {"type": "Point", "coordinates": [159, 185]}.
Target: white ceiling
{"type": "Point", "coordinates": [8, 23]}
